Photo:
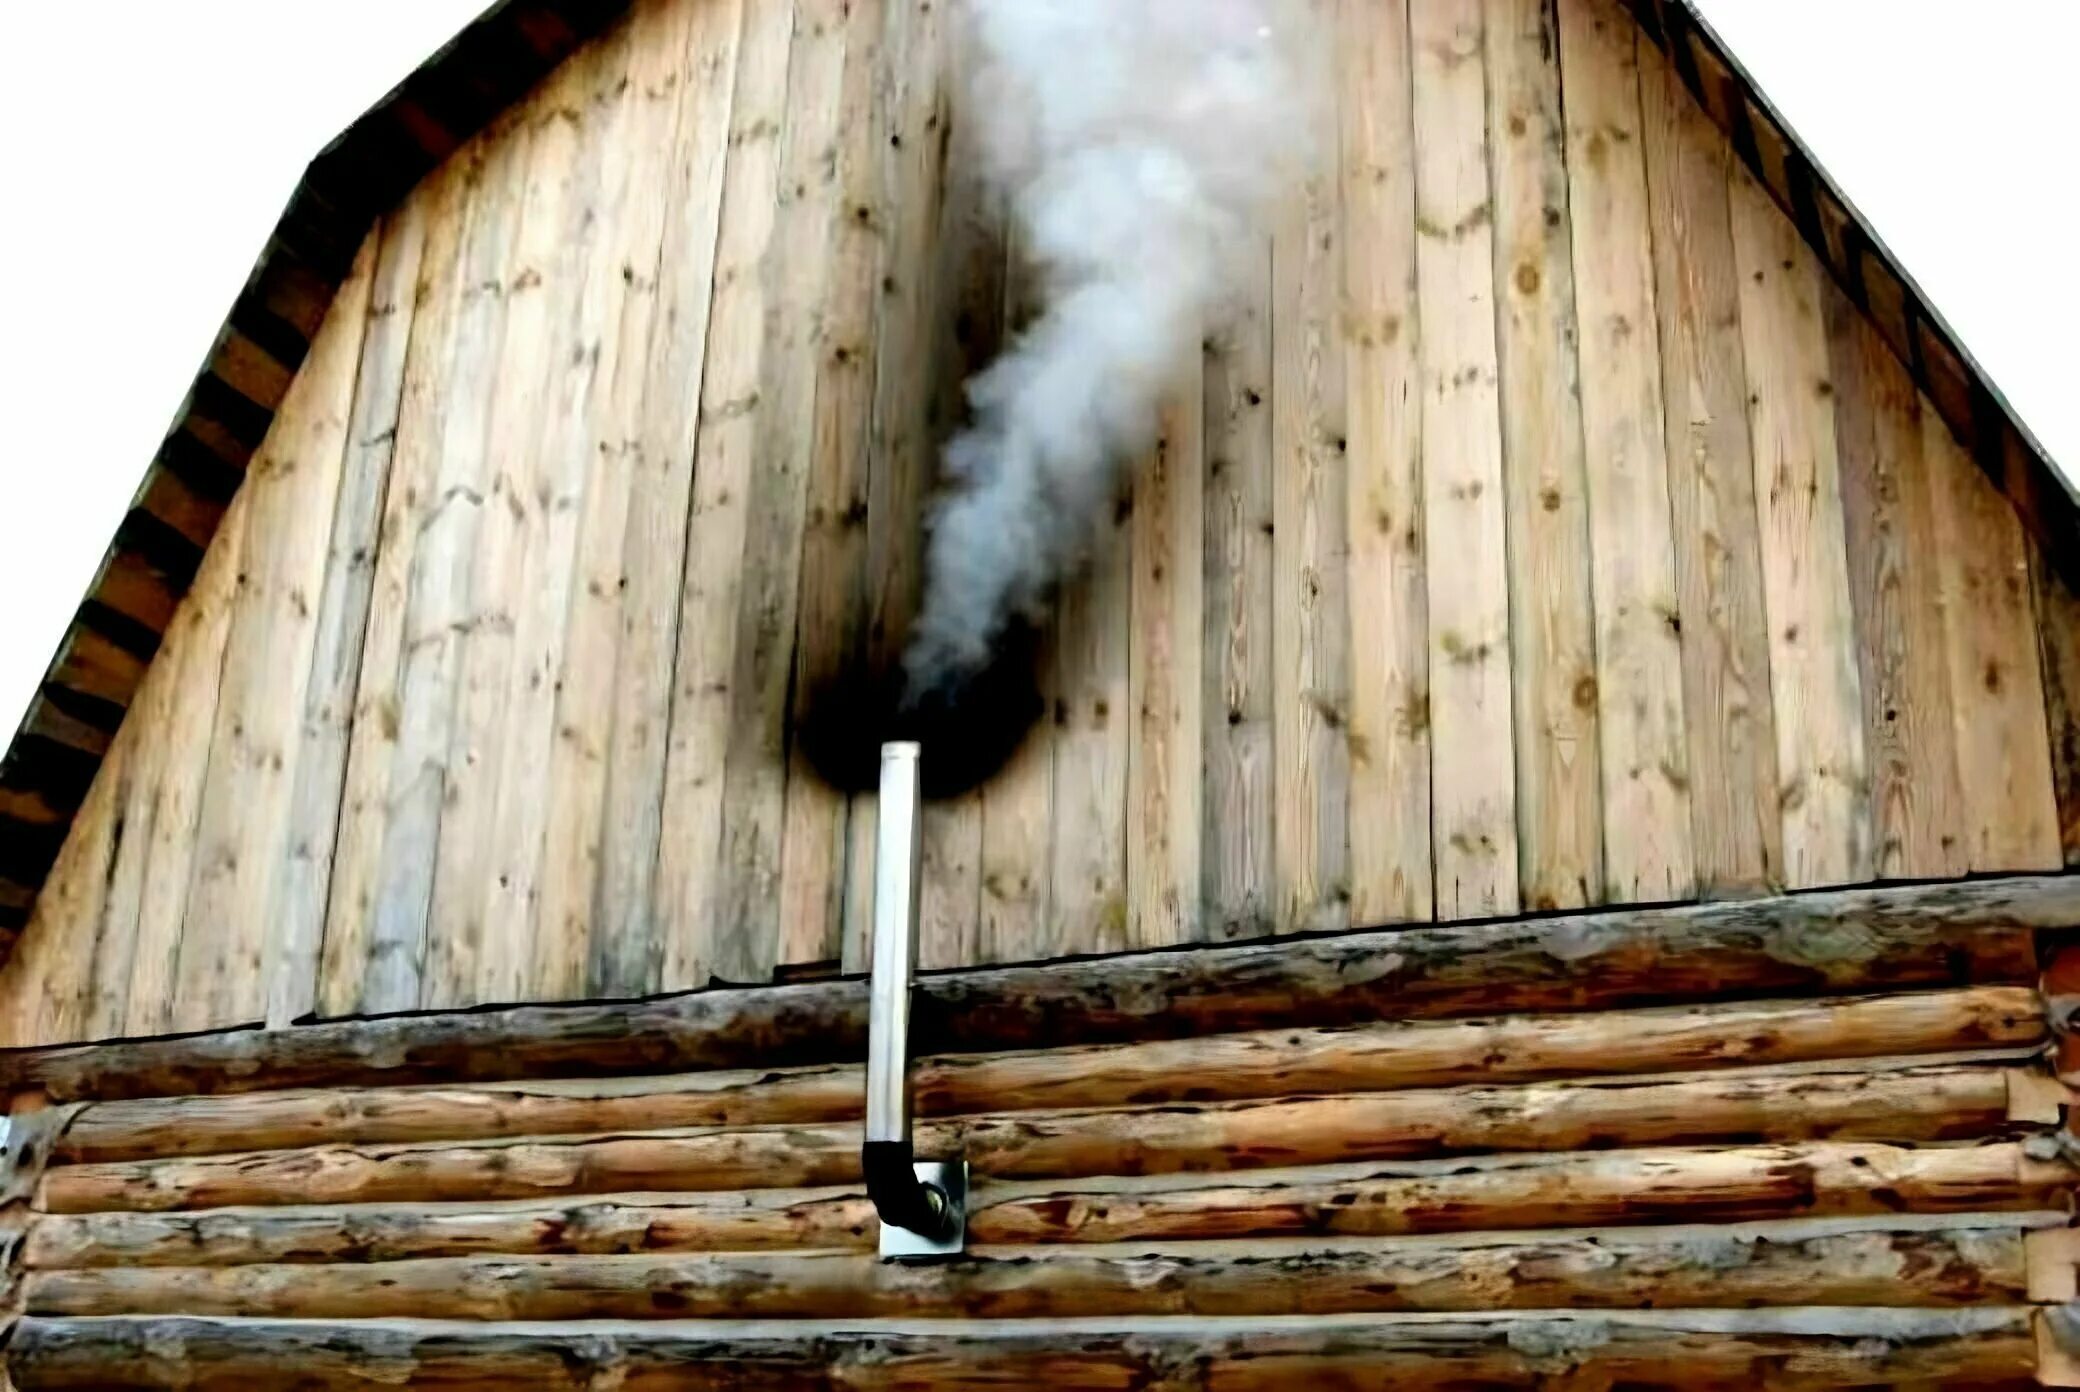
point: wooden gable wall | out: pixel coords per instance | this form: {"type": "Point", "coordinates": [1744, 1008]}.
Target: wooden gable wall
{"type": "Point", "coordinates": [1550, 533]}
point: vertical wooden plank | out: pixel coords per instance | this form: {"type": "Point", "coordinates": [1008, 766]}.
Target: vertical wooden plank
{"type": "Point", "coordinates": [298, 911]}
{"type": "Point", "coordinates": [666, 66]}
{"type": "Point", "coordinates": [912, 102]}
{"type": "Point", "coordinates": [190, 668]}
{"type": "Point", "coordinates": [1089, 893]}
{"type": "Point", "coordinates": [1018, 804]}
{"type": "Point", "coordinates": [508, 566]}
{"type": "Point", "coordinates": [1390, 676]}
{"type": "Point", "coordinates": [1473, 773]}
{"type": "Point", "coordinates": [1017, 845]}
{"type": "Point", "coordinates": [1817, 692]}
{"type": "Point", "coordinates": [295, 482]}
{"type": "Point", "coordinates": [723, 286]}
{"type": "Point", "coordinates": [2058, 633]}
{"type": "Point", "coordinates": [134, 811]}
{"type": "Point", "coordinates": [1237, 881]}
{"type": "Point", "coordinates": [1639, 658]}
{"type": "Point", "coordinates": [455, 579]}
{"type": "Point", "coordinates": [1996, 684]}
{"type": "Point", "coordinates": [47, 988]}
{"type": "Point", "coordinates": [1560, 812]}
{"type": "Point", "coordinates": [828, 640]}
{"type": "Point", "coordinates": [1164, 681]}
{"type": "Point", "coordinates": [967, 330]}
{"type": "Point", "coordinates": [80, 885]}
{"type": "Point", "coordinates": [747, 920]}
{"type": "Point", "coordinates": [690, 438]}
{"type": "Point", "coordinates": [167, 734]}
{"type": "Point", "coordinates": [1310, 637]}
{"type": "Point", "coordinates": [1736, 831]}
{"type": "Point", "coordinates": [583, 145]}
{"type": "Point", "coordinates": [1916, 811]}
{"type": "Point", "coordinates": [368, 965]}
{"type": "Point", "coordinates": [86, 982]}
{"type": "Point", "coordinates": [856, 944]}
{"type": "Point", "coordinates": [26, 973]}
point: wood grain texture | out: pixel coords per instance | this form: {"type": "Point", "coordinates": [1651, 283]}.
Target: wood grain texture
{"type": "Point", "coordinates": [660, 57]}
{"type": "Point", "coordinates": [192, 664]}
{"type": "Point", "coordinates": [411, 961]}
{"type": "Point", "coordinates": [1237, 894]}
{"type": "Point", "coordinates": [743, 323]}
{"type": "Point", "coordinates": [241, 850]}
{"type": "Point", "coordinates": [51, 995]}
{"type": "Point", "coordinates": [686, 337]}
{"type": "Point", "coordinates": [1310, 600]}
{"type": "Point", "coordinates": [2058, 629]}
{"type": "Point", "coordinates": [589, 114]}
{"type": "Point", "coordinates": [1824, 794]}
{"type": "Point", "coordinates": [372, 962]}
{"type": "Point", "coordinates": [1501, 1193]}
{"type": "Point", "coordinates": [1824, 1262]}
{"type": "Point", "coordinates": [1723, 1350]}
{"type": "Point", "coordinates": [817, 824]}
{"type": "Point", "coordinates": [661, 852]}
{"type": "Point", "coordinates": [965, 305]}
{"type": "Point", "coordinates": [1252, 1064]}
{"type": "Point", "coordinates": [1917, 811]}
{"type": "Point", "coordinates": [1088, 893]}
{"type": "Point", "coordinates": [1496, 1193]}
{"type": "Point", "coordinates": [744, 919]}
{"type": "Point", "coordinates": [1877, 939]}
{"type": "Point", "coordinates": [137, 956]}
{"type": "Point", "coordinates": [1165, 686]}
{"type": "Point", "coordinates": [1646, 775]}
{"type": "Point", "coordinates": [1884, 1100]}
{"type": "Point", "coordinates": [464, 949]}
{"type": "Point", "coordinates": [1389, 712]}
{"type": "Point", "coordinates": [1473, 770]}
{"type": "Point", "coordinates": [1996, 684]}
{"type": "Point", "coordinates": [1553, 648]}
{"type": "Point", "coordinates": [297, 911]}
{"type": "Point", "coordinates": [1737, 836]}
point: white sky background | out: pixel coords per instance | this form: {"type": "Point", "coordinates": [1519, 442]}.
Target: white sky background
{"type": "Point", "coordinates": [137, 202]}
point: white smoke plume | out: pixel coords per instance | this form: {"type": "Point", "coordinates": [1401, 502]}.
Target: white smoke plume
{"type": "Point", "coordinates": [1143, 147]}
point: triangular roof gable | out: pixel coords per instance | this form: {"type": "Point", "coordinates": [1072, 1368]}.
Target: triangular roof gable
{"type": "Point", "coordinates": [488, 67]}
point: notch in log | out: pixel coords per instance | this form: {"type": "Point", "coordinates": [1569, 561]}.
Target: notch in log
{"type": "Point", "coordinates": [921, 1205]}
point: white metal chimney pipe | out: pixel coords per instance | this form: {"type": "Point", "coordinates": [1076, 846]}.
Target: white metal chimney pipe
{"type": "Point", "coordinates": [898, 858]}
{"type": "Point", "coordinates": [922, 1206]}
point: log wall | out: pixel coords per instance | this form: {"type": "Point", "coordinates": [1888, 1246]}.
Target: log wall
{"type": "Point", "coordinates": [1830, 1154]}
{"type": "Point", "coordinates": [628, 412]}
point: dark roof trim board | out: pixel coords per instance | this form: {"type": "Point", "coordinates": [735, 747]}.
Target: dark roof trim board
{"type": "Point", "coordinates": [488, 67]}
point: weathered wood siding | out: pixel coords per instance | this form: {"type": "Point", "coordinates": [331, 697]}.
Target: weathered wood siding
{"type": "Point", "coordinates": [1349, 1160]}
{"type": "Point", "coordinates": [1549, 533]}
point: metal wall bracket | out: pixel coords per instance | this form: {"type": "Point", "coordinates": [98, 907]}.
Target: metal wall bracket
{"type": "Point", "coordinates": [949, 1177]}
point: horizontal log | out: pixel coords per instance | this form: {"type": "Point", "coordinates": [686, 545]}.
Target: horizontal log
{"type": "Point", "coordinates": [1874, 1101]}
{"type": "Point", "coordinates": [1806, 1262]}
{"type": "Point", "coordinates": [1265, 1063]}
{"type": "Point", "coordinates": [1488, 1193]}
{"type": "Point", "coordinates": [1839, 941]}
{"type": "Point", "coordinates": [1505, 1192]}
{"type": "Point", "coordinates": [748, 1221]}
{"type": "Point", "coordinates": [1716, 1350]}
